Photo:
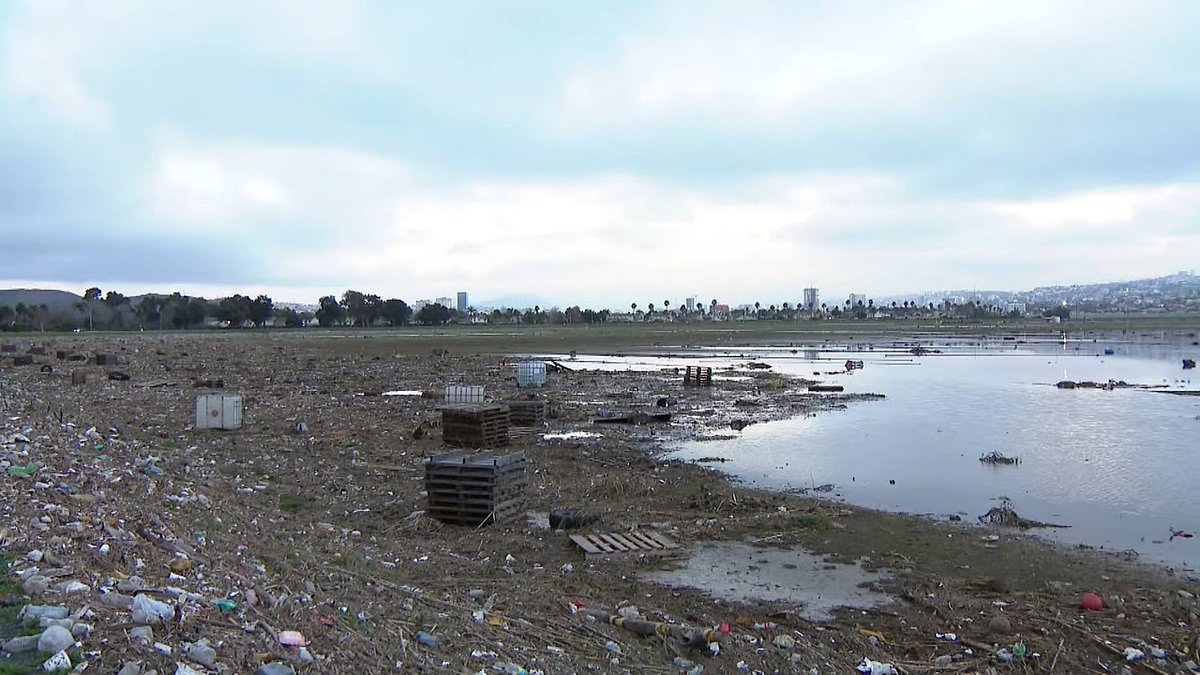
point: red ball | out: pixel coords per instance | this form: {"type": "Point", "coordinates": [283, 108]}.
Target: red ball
{"type": "Point", "coordinates": [1091, 601]}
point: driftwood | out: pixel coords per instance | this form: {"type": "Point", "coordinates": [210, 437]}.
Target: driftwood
{"type": "Point", "coordinates": [994, 457]}
{"type": "Point", "coordinates": [1006, 515]}
{"type": "Point", "coordinates": [690, 638]}
{"type": "Point", "coordinates": [633, 418]}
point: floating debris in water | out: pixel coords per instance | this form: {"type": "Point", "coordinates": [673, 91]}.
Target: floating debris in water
{"type": "Point", "coordinates": [994, 457]}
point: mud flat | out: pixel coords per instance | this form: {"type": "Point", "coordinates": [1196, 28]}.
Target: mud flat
{"type": "Point", "coordinates": [310, 518]}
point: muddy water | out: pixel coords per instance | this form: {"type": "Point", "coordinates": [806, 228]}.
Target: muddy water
{"type": "Point", "coordinates": [1118, 466]}
{"type": "Point", "coordinates": [806, 583]}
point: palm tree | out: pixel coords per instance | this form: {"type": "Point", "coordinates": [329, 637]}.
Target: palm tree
{"type": "Point", "coordinates": [651, 307]}
{"type": "Point", "coordinates": [90, 296]}
{"type": "Point", "coordinates": [633, 308]}
{"type": "Point", "coordinates": [666, 305]}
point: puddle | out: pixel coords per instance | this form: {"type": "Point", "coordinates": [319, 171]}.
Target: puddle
{"type": "Point", "coordinates": [569, 435]}
{"type": "Point", "coordinates": [403, 392]}
{"type": "Point", "coordinates": [742, 573]}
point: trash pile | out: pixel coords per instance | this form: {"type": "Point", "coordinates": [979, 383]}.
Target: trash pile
{"type": "Point", "coordinates": [296, 539]}
{"type": "Point", "coordinates": [300, 541]}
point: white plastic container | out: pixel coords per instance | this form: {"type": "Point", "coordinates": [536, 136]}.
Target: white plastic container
{"type": "Point", "coordinates": [531, 373]}
{"type": "Point", "coordinates": [464, 393]}
{"type": "Point", "coordinates": [219, 411]}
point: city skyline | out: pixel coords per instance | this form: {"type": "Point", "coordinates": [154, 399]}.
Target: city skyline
{"type": "Point", "coordinates": [596, 154]}
{"type": "Point", "coordinates": [1181, 288]}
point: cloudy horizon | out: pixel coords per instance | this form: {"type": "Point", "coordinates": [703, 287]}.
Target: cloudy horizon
{"type": "Point", "coordinates": [596, 153]}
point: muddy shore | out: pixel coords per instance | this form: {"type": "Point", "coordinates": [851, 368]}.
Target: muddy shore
{"type": "Point", "coordinates": [323, 530]}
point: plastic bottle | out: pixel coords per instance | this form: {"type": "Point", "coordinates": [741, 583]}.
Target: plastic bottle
{"type": "Point", "coordinates": [426, 639]}
{"type": "Point", "coordinates": [147, 610]}
{"type": "Point", "coordinates": [201, 653]}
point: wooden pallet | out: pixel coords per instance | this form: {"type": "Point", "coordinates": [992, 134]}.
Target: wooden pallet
{"type": "Point", "coordinates": [526, 413]}
{"type": "Point", "coordinates": [475, 490]}
{"type": "Point", "coordinates": [484, 463]}
{"type": "Point", "coordinates": [84, 376]}
{"type": "Point", "coordinates": [474, 512]}
{"type": "Point", "coordinates": [604, 545]}
{"type": "Point", "coordinates": [447, 491]}
{"type": "Point", "coordinates": [698, 375]}
{"type": "Point", "coordinates": [475, 425]}
{"type": "Point", "coordinates": [472, 516]}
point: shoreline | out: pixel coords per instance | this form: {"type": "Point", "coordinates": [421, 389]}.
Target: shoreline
{"type": "Point", "coordinates": [328, 529]}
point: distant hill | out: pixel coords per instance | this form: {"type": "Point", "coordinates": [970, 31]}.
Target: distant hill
{"type": "Point", "coordinates": [64, 310]}
{"type": "Point", "coordinates": [58, 302]}
{"type": "Point", "coordinates": [1179, 280]}
{"type": "Point", "coordinates": [515, 301]}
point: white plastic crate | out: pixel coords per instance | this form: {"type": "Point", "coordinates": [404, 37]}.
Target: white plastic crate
{"type": "Point", "coordinates": [531, 373]}
{"type": "Point", "coordinates": [464, 393]}
{"type": "Point", "coordinates": [219, 411]}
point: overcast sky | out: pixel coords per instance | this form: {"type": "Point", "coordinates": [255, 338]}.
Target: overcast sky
{"type": "Point", "coordinates": [596, 152]}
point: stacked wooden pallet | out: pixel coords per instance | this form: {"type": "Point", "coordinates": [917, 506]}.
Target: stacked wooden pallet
{"type": "Point", "coordinates": [471, 425]}
{"type": "Point", "coordinates": [698, 375]}
{"type": "Point", "coordinates": [526, 413]}
{"type": "Point", "coordinates": [475, 489]}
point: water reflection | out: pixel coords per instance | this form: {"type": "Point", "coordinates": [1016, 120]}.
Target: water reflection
{"type": "Point", "coordinates": [1115, 465]}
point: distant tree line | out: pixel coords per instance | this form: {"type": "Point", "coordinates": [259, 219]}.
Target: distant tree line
{"type": "Point", "coordinates": [23, 317]}
{"type": "Point", "coordinates": [786, 311]}
{"type": "Point", "coordinates": [98, 310]}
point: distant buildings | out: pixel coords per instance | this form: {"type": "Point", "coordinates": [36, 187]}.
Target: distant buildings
{"type": "Point", "coordinates": [691, 305]}
{"type": "Point", "coordinates": [720, 312]}
{"type": "Point", "coordinates": [462, 301]}
{"type": "Point", "coordinates": [856, 298]}
{"type": "Point", "coordinates": [445, 302]}
{"type": "Point", "coordinates": [812, 299]}
{"type": "Point", "coordinates": [420, 304]}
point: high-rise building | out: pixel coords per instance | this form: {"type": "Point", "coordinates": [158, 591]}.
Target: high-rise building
{"type": "Point", "coordinates": [691, 305]}
{"type": "Point", "coordinates": [462, 301]}
{"type": "Point", "coordinates": [812, 299]}
{"type": "Point", "coordinates": [856, 298]}
{"type": "Point", "coordinates": [445, 302]}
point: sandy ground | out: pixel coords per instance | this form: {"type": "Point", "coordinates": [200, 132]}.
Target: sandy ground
{"type": "Point", "coordinates": [324, 531]}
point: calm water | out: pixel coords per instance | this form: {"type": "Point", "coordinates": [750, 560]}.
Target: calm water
{"type": "Point", "coordinates": [1119, 466]}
